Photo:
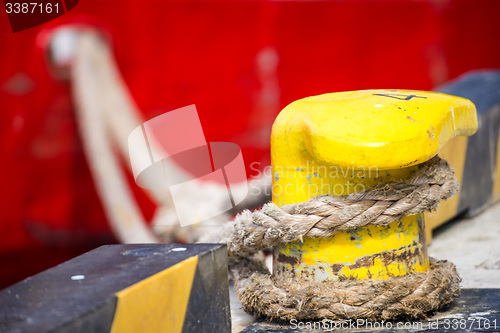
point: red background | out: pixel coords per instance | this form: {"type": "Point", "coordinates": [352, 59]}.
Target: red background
{"type": "Point", "coordinates": [176, 53]}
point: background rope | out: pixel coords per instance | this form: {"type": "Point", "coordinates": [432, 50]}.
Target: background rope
{"type": "Point", "coordinates": [412, 295]}
{"type": "Point", "coordinates": [106, 114]}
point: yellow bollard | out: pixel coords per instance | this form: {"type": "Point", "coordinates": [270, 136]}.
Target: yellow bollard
{"type": "Point", "coordinates": [346, 142]}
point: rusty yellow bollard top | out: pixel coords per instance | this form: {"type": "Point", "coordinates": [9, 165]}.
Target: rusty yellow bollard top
{"type": "Point", "coordinates": [347, 142]}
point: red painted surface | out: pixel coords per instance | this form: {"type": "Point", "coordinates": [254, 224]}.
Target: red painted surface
{"type": "Point", "coordinates": [176, 53]}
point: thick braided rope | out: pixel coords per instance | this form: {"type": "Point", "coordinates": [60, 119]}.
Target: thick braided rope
{"type": "Point", "coordinates": [412, 295]}
{"type": "Point", "coordinates": [324, 215]}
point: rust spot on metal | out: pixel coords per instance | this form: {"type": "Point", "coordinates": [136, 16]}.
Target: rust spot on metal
{"type": "Point", "coordinates": [406, 257]}
{"type": "Point", "coordinates": [431, 133]}
{"type": "Point", "coordinates": [365, 261]}
{"type": "Point", "coordinates": [308, 274]}
{"type": "Point", "coordinates": [287, 259]}
{"type": "Point", "coordinates": [412, 119]}
{"type": "Point", "coordinates": [336, 268]}
{"type": "Point", "coordinates": [422, 238]}
{"type": "Point", "coordinates": [403, 255]}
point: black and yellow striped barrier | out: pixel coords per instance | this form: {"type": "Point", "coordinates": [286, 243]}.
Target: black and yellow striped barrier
{"type": "Point", "coordinates": [125, 288]}
{"type": "Point", "coordinates": [476, 158]}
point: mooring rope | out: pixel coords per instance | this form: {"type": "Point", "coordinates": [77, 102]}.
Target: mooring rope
{"type": "Point", "coordinates": [412, 295]}
{"type": "Point", "coordinates": [106, 114]}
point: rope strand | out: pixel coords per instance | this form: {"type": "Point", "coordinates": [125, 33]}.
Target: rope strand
{"type": "Point", "coordinates": [276, 297]}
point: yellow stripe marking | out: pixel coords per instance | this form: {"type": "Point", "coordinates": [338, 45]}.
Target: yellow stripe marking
{"type": "Point", "coordinates": [454, 152]}
{"type": "Point", "coordinates": [157, 303]}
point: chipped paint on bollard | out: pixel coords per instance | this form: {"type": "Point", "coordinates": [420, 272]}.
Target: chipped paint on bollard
{"type": "Point", "coordinates": [347, 142]}
{"type": "Point", "coordinates": [368, 252]}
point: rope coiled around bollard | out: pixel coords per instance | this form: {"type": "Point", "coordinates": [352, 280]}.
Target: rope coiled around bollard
{"type": "Point", "coordinates": [410, 296]}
